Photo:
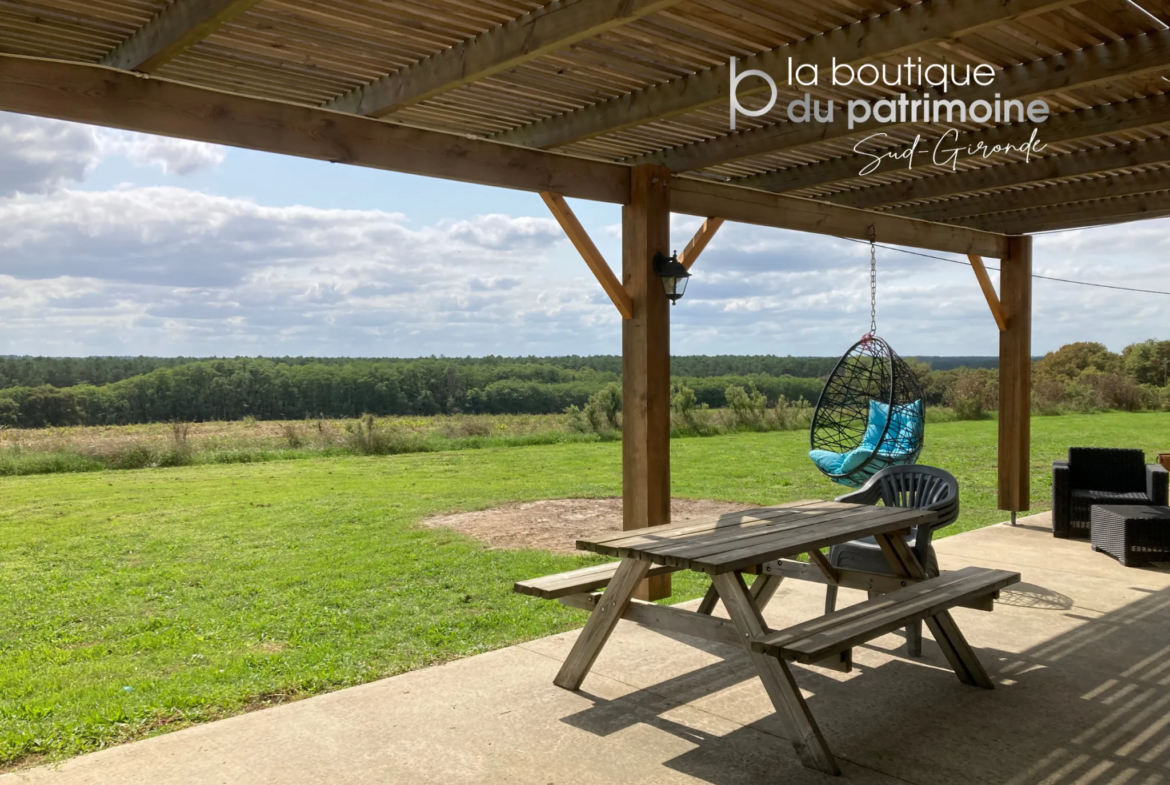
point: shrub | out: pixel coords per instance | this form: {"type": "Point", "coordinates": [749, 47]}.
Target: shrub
{"type": "Point", "coordinates": [1048, 397]}
{"type": "Point", "coordinates": [292, 436]}
{"type": "Point", "coordinates": [747, 406]}
{"type": "Point", "coordinates": [687, 414]}
{"type": "Point", "coordinates": [1071, 360]}
{"type": "Point", "coordinates": [368, 437]}
{"type": "Point", "coordinates": [1114, 391]}
{"type": "Point", "coordinates": [969, 409]}
{"type": "Point", "coordinates": [604, 408]}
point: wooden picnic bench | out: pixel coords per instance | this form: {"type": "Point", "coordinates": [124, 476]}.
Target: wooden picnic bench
{"type": "Point", "coordinates": [763, 542]}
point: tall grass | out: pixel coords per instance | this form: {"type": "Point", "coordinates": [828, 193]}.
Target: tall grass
{"type": "Point", "coordinates": [98, 448]}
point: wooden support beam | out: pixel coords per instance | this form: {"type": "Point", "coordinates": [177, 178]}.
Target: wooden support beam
{"type": "Point", "coordinates": [555, 26]}
{"type": "Point", "coordinates": [584, 245]}
{"type": "Point", "coordinates": [665, 618]}
{"type": "Point", "coordinates": [1015, 377]}
{"type": "Point", "coordinates": [698, 243]}
{"type": "Point", "coordinates": [1078, 215]}
{"type": "Point", "coordinates": [918, 25]}
{"type": "Point", "coordinates": [1011, 173]}
{"type": "Point", "coordinates": [702, 198]}
{"type": "Point", "coordinates": [988, 290]}
{"type": "Point", "coordinates": [1130, 57]}
{"type": "Point", "coordinates": [147, 104]}
{"type": "Point", "coordinates": [172, 31]}
{"type": "Point", "coordinates": [646, 362]}
{"type": "Point", "coordinates": [134, 102]}
{"type": "Point", "coordinates": [1137, 114]}
{"type": "Point", "coordinates": [828, 570]}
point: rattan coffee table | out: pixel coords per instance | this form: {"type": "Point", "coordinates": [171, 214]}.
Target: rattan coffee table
{"type": "Point", "coordinates": [1133, 534]}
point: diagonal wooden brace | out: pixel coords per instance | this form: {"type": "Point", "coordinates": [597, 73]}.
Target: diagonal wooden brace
{"type": "Point", "coordinates": [584, 245]}
{"type": "Point", "coordinates": [695, 247]}
{"type": "Point", "coordinates": [988, 291]}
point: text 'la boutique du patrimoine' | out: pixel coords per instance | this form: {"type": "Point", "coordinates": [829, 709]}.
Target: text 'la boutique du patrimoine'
{"type": "Point", "coordinates": [922, 107]}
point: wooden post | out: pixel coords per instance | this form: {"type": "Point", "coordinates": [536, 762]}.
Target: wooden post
{"type": "Point", "coordinates": [1015, 376]}
{"type": "Point", "coordinates": [646, 362]}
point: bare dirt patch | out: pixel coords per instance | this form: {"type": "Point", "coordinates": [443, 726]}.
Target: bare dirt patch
{"type": "Point", "coordinates": [556, 524]}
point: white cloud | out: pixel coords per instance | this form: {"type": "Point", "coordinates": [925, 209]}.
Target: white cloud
{"type": "Point", "coordinates": [39, 156]}
{"type": "Point", "coordinates": [173, 156]}
{"type": "Point", "coordinates": [148, 265]}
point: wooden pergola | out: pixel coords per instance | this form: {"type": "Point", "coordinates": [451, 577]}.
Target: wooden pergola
{"type": "Point", "coordinates": [626, 102]}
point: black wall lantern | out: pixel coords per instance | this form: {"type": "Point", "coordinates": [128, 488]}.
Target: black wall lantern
{"type": "Point", "coordinates": [674, 276]}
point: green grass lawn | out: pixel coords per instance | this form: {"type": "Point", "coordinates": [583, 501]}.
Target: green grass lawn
{"type": "Point", "coordinates": [144, 600]}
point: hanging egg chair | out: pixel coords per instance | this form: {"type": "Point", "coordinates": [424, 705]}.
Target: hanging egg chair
{"type": "Point", "coordinates": [871, 413]}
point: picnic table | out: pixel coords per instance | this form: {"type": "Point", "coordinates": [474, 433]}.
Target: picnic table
{"type": "Point", "coordinates": [764, 542]}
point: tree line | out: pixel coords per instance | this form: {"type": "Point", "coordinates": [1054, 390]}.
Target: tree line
{"type": "Point", "coordinates": [266, 389]}
{"type": "Point", "coordinates": [43, 391]}
{"type": "Point", "coordinates": [99, 371]}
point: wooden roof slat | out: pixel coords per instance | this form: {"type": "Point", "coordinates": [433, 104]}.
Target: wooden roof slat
{"type": "Point", "coordinates": [172, 31]}
{"type": "Point", "coordinates": [1076, 215]}
{"type": "Point", "coordinates": [555, 26]}
{"type": "Point", "coordinates": [1048, 195]}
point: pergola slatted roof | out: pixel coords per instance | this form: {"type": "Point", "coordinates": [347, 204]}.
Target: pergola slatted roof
{"type": "Point", "coordinates": [646, 81]}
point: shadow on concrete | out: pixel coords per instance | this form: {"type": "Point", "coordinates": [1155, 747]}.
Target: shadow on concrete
{"type": "Point", "coordinates": [1089, 705]}
{"type": "Point", "coordinates": [1029, 595]}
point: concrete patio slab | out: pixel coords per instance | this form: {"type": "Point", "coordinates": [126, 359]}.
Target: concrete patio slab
{"type": "Point", "coordinates": [1080, 652]}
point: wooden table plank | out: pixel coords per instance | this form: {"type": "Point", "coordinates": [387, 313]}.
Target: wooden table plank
{"type": "Point", "coordinates": [610, 545]}
{"type": "Point", "coordinates": [940, 592]}
{"type": "Point", "coordinates": [817, 537]}
{"type": "Point", "coordinates": [586, 579]}
{"type": "Point", "coordinates": [728, 545]}
{"type": "Point", "coordinates": [732, 543]}
{"type": "Point", "coordinates": [623, 545]}
{"type": "Point", "coordinates": [700, 548]}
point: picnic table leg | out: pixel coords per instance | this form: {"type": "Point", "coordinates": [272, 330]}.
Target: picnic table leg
{"type": "Point", "coordinates": [710, 600]}
{"type": "Point", "coordinates": [942, 626]}
{"type": "Point", "coordinates": [799, 724]}
{"type": "Point", "coordinates": [613, 603]}
{"type": "Point", "coordinates": [764, 587]}
{"type": "Point", "coordinates": [762, 590]}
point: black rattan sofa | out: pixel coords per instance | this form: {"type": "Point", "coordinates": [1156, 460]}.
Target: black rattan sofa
{"type": "Point", "coordinates": [1093, 475]}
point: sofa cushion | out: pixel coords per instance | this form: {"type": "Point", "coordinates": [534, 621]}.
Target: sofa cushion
{"type": "Point", "coordinates": [1105, 469]}
{"type": "Point", "coordinates": [1112, 497]}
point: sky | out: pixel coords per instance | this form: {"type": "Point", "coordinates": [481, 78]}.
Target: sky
{"type": "Point", "coordinates": [127, 244]}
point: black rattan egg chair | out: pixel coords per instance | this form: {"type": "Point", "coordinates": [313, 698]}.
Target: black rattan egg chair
{"type": "Point", "coordinates": [870, 415]}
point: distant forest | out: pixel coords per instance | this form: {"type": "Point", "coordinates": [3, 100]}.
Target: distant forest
{"type": "Point", "coordinates": [58, 391]}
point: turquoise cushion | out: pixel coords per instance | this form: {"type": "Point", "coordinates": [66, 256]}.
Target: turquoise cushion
{"type": "Point", "coordinates": [902, 439]}
{"type": "Point", "coordinates": [839, 463]}
{"type": "Point", "coordinates": [905, 431]}
{"type": "Point", "coordinates": [878, 413]}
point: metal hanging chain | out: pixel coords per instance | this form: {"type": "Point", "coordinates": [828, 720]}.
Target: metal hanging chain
{"type": "Point", "coordinates": [872, 281]}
